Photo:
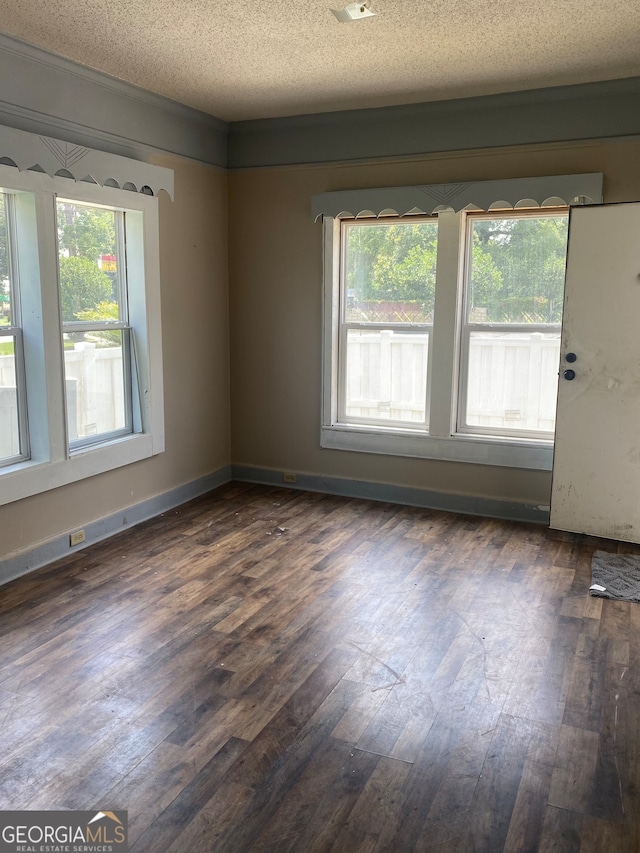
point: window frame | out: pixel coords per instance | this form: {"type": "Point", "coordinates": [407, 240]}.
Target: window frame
{"type": "Point", "coordinates": [52, 462]}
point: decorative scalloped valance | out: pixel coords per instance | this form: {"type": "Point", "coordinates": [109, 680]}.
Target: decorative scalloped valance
{"type": "Point", "coordinates": [514, 193]}
{"type": "Point", "coordinates": [28, 151]}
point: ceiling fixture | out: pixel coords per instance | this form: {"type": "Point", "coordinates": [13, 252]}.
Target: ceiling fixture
{"type": "Point", "coordinates": [353, 12]}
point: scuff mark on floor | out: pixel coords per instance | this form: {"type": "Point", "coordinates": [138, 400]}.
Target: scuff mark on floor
{"type": "Point", "coordinates": [399, 679]}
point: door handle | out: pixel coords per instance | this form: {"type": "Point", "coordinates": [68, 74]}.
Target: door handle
{"type": "Point", "coordinates": [571, 357]}
{"type": "Point", "coordinates": [569, 374]}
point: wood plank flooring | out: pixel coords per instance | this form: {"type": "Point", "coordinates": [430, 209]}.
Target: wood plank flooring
{"type": "Point", "coordinates": [271, 670]}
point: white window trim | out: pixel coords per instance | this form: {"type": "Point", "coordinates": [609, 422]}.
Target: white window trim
{"type": "Point", "coordinates": [515, 193]}
{"type": "Point", "coordinates": [51, 464]}
{"type": "Point", "coordinates": [442, 442]}
{"type": "Point", "coordinates": [55, 157]}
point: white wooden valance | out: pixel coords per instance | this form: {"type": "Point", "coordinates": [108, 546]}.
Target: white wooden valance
{"type": "Point", "coordinates": [29, 151]}
{"type": "Point", "coordinates": [513, 193]}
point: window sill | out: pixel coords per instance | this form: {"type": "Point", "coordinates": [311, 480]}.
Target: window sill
{"type": "Point", "coordinates": [32, 477]}
{"type": "Point", "coordinates": [479, 450]}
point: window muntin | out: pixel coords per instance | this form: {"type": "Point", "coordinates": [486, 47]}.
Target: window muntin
{"type": "Point", "coordinates": [92, 272]}
{"type": "Point", "coordinates": [510, 340]}
{"type": "Point", "coordinates": [386, 319]}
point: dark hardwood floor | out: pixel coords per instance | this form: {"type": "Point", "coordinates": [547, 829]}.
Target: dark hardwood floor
{"type": "Point", "coordinates": [271, 670]}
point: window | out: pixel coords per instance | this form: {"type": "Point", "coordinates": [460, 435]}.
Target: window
{"type": "Point", "coordinates": [96, 333]}
{"type": "Point", "coordinates": [387, 298]}
{"type": "Point", "coordinates": [80, 353]}
{"type": "Point", "coordinates": [510, 347]}
{"type": "Point", "coordinates": [442, 329]}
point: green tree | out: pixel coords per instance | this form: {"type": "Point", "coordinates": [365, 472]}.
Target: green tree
{"type": "Point", "coordinates": [529, 253]}
{"type": "Point", "coordinates": [486, 280]}
{"type": "Point", "coordinates": [102, 311]}
{"type": "Point", "coordinates": [85, 232]}
{"type": "Point", "coordinates": [392, 264]}
{"type": "Point", "coordinates": [83, 286]}
{"type": "Point", "coordinates": [364, 244]}
{"type": "Point", "coordinates": [405, 269]}
{"type": "Point", "coordinates": [397, 264]}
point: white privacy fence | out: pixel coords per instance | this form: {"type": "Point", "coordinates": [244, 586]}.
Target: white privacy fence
{"type": "Point", "coordinates": [95, 389]}
{"type": "Point", "coordinates": [9, 436]}
{"type": "Point", "coordinates": [512, 382]}
{"type": "Point", "coordinates": [387, 374]}
{"type": "Point", "coordinates": [512, 378]}
{"type": "Point", "coordinates": [95, 394]}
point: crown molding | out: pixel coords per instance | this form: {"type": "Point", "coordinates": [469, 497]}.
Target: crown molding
{"type": "Point", "coordinates": [41, 92]}
{"type": "Point", "coordinates": [588, 111]}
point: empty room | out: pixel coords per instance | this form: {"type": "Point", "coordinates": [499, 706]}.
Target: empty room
{"type": "Point", "coordinates": [319, 393]}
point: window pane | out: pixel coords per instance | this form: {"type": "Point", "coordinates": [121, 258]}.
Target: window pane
{"type": "Point", "coordinates": [94, 374]}
{"type": "Point", "coordinates": [9, 425]}
{"type": "Point", "coordinates": [517, 269]}
{"type": "Point", "coordinates": [390, 272]}
{"type": "Point", "coordinates": [386, 375]}
{"type": "Point", "coordinates": [513, 381]}
{"type": "Point", "coordinates": [89, 263]}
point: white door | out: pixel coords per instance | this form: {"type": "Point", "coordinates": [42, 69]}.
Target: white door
{"type": "Point", "coordinates": [596, 470]}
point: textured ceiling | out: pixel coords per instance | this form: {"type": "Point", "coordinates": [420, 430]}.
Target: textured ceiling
{"type": "Point", "coordinates": [243, 60]}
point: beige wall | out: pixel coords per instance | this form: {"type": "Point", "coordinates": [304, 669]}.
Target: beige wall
{"type": "Point", "coordinates": [194, 294]}
{"type": "Point", "coordinates": [275, 298]}
{"type": "Point", "coordinates": [275, 311]}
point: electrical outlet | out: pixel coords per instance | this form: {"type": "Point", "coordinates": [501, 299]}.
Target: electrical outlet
{"type": "Point", "coordinates": [77, 538]}
{"type": "Point", "coordinates": [290, 478]}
